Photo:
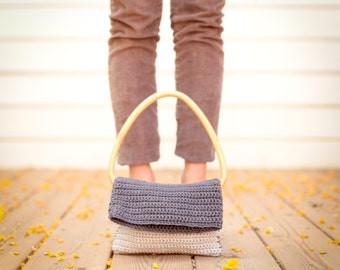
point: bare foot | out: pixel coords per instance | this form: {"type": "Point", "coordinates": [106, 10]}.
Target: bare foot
{"type": "Point", "coordinates": [194, 172]}
{"type": "Point", "coordinates": [142, 172]}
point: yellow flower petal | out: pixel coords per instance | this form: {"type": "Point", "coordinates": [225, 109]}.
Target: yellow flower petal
{"type": "Point", "coordinates": [301, 212]}
{"type": "Point", "coordinates": [2, 212]}
{"type": "Point", "coordinates": [45, 186]}
{"type": "Point", "coordinates": [271, 251]}
{"type": "Point", "coordinates": [155, 266]}
{"type": "Point", "coordinates": [246, 225]}
{"type": "Point", "coordinates": [335, 241]}
{"type": "Point", "coordinates": [49, 253]}
{"type": "Point", "coordinates": [231, 264]}
{"type": "Point", "coordinates": [70, 265]}
{"type": "Point", "coordinates": [108, 263]}
{"type": "Point", "coordinates": [61, 240]}
{"type": "Point", "coordinates": [108, 234]}
{"type": "Point", "coordinates": [303, 235]}
{"type": "Point", "coordinates": [268, 230]}
{"type": "Point", "coordinates": [5, 183]}
{"type": "Point", "coordinates": [60, 253]}
{"type": "Point", "coordinates": [236, 249]}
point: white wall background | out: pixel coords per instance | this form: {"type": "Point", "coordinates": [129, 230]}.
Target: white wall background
{"type": "Point", "coordinates": [281, 101]}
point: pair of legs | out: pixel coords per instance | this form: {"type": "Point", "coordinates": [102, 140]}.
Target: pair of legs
{"type": "Point", "coordinates": [199, 61]}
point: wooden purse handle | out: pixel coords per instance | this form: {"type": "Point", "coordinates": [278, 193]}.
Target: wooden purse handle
{"type": "Point", "coordinates": [145, 104]}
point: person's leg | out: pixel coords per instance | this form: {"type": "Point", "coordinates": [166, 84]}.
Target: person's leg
{"type": "Point", "coordinates": [194, 172]}
{"type": "Point", "coordinates": [132, 55]}
{"type": "Point", "coordinates": [199, 73]}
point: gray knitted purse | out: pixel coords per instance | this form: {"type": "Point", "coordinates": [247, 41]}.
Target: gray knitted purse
{"type": "Point", "coordinates": [170, 208]}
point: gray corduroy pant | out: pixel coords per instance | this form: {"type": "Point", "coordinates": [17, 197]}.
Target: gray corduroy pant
{"type": "Point", "coordinates": [199, 62]}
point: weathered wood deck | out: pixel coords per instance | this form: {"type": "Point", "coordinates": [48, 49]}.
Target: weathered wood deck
{"type": "Point", "coordinates": [57, 219]}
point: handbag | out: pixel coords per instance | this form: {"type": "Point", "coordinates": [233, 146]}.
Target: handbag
{"type": "Point", "coordinates": [131, 241]}
{"type": "Point", "coordinates": [165, 209]}
{"type": "Point", "coordinates": [168, 208]}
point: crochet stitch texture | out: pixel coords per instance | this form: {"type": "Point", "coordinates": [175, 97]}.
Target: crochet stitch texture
{"type": "Point", "coordinates": [171, 208]}
{"type": "Point", "coordinates": [131, 241]}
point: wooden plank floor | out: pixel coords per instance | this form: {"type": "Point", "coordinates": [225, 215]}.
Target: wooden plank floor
{"type": "Point", "coordinates": [57, 219]}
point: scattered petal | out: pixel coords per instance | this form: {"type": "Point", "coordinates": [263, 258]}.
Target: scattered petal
{"type": "Point", "coordinates": [2, 237]}
{"type": "Point", "coordinates": [5, 183]}
{"type": "Point", "coordinates": [335, 241]}
{"type": "Point", "coordinates": [301, 212]}
{"type": "Point", "coordinates": [37, 229]}
{"type": "Point", "coordinates": [155, 266]}
{"type": "Point", "coordinates": [82, 215]}
{"type": "Point", "coordinates": [236, 249]}
{"type": "Point", "coordinates": [108, 234]}
{"type": "Point", "coordinates": [322, 252]}
{"type": "Point", "coordinates": [268, 230]}
{"type": "Point", "coordinates": [61, 240]}
{"type": "Point", "coordinates": [75, 255]}
{"type": "Point", "coordinates": [231, 264]}
{"type": "Point", "coordinates": [303, 235]}
{"type": "Point", "coordinates": [70, 265]}
{"type": "Point", "coordinates": [49, 253]}
{"type": "Point", "coordinates": [2, 212]}
{"type": "Point", "coordinates": [45, 186]}
{"type": "Point", "coordinates": [322, 220]}
{"type": "Point", "coordinates": [271, 251]}
{"type": "Point", "coordinates": [109, 262]}
{"type": "Point", "coordinates": [39, 202]}
{"type": "Point", "coordinates": [60, 253]}
{"type": "Point", "coordinates": [246, 225]}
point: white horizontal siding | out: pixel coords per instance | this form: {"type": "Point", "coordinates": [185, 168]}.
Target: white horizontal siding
{"type": "Point", "coordinates": [239, 89]}
{"type": "Point", "coordinates": [93, 23]}
{"type": "Point", "coordinates": [239, 56]}
{"type": "Point", "coordinates": [281, 99]}
{"type": "Point", "coordinates": [248, 153]}
{"type": "Point", "coordinates": [236, 122]}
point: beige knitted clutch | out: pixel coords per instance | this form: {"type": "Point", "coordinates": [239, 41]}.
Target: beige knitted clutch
{"type": "Point", "coordinates": [132, 241]}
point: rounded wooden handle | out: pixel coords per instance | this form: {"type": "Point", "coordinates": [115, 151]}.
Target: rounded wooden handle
{"type": "Point", "coordinates": [145, 104]}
